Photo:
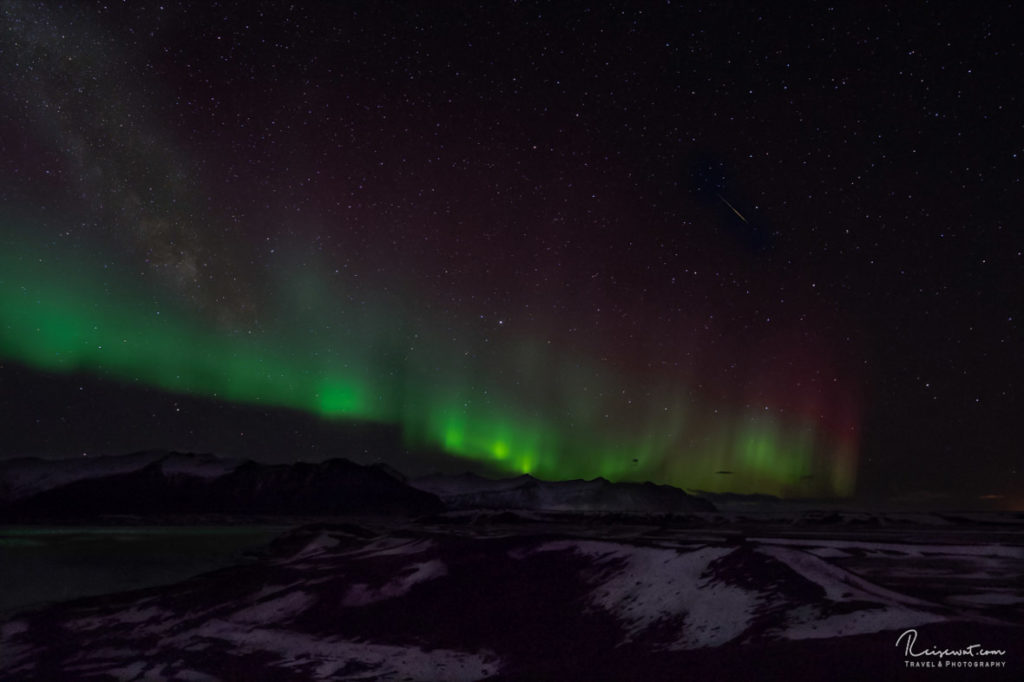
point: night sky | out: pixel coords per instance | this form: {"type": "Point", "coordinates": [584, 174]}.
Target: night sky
{"type": "Point", "coordinates": [731, 249]}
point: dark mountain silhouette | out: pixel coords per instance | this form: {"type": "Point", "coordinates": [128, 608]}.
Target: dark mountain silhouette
{"type": "Point", "coordinates": [469, 491]}
{"type": "Point", "coordinates": [169, 486]}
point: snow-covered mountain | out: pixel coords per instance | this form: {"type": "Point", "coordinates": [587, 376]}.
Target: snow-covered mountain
{"type": "Point", "coordinates": [170, 482]}
{"type": "Point", "coordinates": [469, 491]}
{"type": "Point", "coordinates": [196, 484]}
{"type": "Point", "coordinates": [26, 476]}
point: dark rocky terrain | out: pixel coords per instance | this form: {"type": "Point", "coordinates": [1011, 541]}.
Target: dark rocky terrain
{"type": "Point", "coordinates": [510, 601]}
{"type": "Point", "coordinates": [465, 578]}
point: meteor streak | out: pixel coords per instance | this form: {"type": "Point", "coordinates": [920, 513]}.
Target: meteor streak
{"type": "Point", "coordinates": [731, 207]}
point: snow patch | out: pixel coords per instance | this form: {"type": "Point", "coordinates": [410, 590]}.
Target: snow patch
{"type": "Point", "coordinates": [362, 594]}
{"type": "Point", "coordinates": [839, 585]}
{"type": "Point", "coordinates": [392, 548]}
{"type": "Point", "coordinates": [330, 656]}
{"type": "Point", "coordinates": [987, 599]}
{"type": "Point", "coordinates": [129, 672]}
{"type": "Point", "coordinates": [318, 545]}
{"type": "Point", "coordinates": [828, 553]}
{"type": "Point", "coordinates": [194, 676]}
{"type": "Point", "coordinates": [903, 548]}
{"type": "Point", "coordinates": [654, 584]}
{"type": "Point", "coordinates": [277, 610]}
{"type": "Point", "coordinates": [130, 616]}
{"type": "Point", "coordinates": [15, 627]}
{"type": "Point", "coordinates": [806, 622]}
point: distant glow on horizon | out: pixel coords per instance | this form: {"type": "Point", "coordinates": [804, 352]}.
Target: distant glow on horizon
{"type": "Point", "coordinates": [521, 409]}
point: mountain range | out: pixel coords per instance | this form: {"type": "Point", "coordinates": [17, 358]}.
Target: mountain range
{"type": "Point", "coordinates": [162, 483]}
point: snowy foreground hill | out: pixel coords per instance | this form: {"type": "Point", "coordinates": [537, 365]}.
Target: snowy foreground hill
{"type": "Point", "coordinates": [436, 600]}
{"type": "Point", "coordinates": [466, 578]}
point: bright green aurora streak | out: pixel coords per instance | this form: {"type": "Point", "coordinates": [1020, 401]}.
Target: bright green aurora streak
{"type": "Point", "coordinates": [520, 406]}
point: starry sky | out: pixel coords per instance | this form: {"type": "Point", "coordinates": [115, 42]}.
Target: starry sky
{"type": "Point", "coordinates": [721, 247]}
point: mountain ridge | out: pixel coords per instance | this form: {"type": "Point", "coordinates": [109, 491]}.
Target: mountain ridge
{"type": "Point", "coordinates": [188, 484]}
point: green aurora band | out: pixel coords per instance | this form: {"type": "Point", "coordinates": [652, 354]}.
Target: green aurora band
{"type": "Point", "coordinates": [517, 404]}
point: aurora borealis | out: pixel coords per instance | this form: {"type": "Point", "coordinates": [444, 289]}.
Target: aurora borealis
{"type": "Point", "coordinates": [553, 419]}
{"type": "Point", "coordinates": [558, 260]}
